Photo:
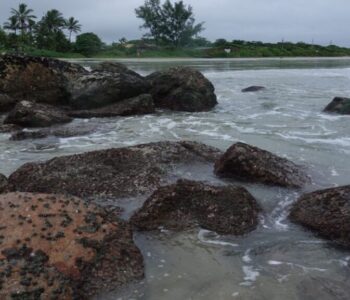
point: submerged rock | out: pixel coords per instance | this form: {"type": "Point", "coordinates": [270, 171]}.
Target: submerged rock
{"type": "Point", "coordinates": [37, 79]}
{"type": "Point", "coordinates": [253, 88]}
{"type": "Point", "coordinates": [8, 128]}
{"type": "Point", "coordinates": [58, 247]}
{"type": "Point", "coordinates": [25, 135]}
{"type": "Point", "coordinates": [30, 114]}
{"type": "Point", "coordinates": [339, 105]}
{"type": "Point", "coordinates": [327, 212]}
{"type": "Point", "coordinates": [119, 172]}
{"type": "Point", "coordinates": [3, 183]}
{"type": "Point", "coordinates": [187, 204]}
{"type": "Point", "coordinates": [139, 105]}
{"type": "Point", "coordinates": [182, 89]}
{"type": "Point", "coordinates": [245, 162]}
{"type": "Point", "coordinates": [6, 102]}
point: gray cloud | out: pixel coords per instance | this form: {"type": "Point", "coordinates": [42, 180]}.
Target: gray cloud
{"type": "Point", "coordinates": [321, 21]}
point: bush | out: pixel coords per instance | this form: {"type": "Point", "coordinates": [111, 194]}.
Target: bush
{"type": "Point", "coordinates": [88, 44]}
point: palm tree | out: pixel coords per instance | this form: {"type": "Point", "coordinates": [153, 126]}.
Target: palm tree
{"type": "Point", "coordinates": [53, 20]}
{"type": "Point", "coordinates": [11, 24]}
{"type": "Point", "coordinates": [23, 16]}
{"type": "Point", "coordinates": [72, 25]}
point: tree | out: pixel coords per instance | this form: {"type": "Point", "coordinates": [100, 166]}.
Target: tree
{"type": "Point", "coordinates": [73, 26]}
{"type": "Point", "coordinates": [11, 24]}
{"type": "Point", "coordinates": [169, 23]}
{"type": "Point", "coordinates": [23, 15]}
{"type": "Point", "coordinates": [53, 21]}
{"type": "Point", "coordinates": [88, 44]}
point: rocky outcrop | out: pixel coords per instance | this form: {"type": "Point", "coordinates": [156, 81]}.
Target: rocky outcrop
{"type": "Point", "coordinates": [37, 79]}
{"type": "Point", "coordinates": [339, 105]}
{"type": "Point", "coordinates": [8, 128]}
{"type": "Point", "coordinates": [3, 183]}
{"type": "Point", "coordinates": [327, 212]}
{"type": "Point", "coordinates": [119, 172]}
{"type": "Point", "coordinates": [6, 103]}
{"type": "Point", "coordinates": [188, 204]}
{"type": "Point", "coordinates": [58, 247]}
{"type": "Point", "coordinates": [30, 114]}
{"type": "Point", "coordinates": [96, 90]}
{"type": "Point", "coordinates": [253, 88]}
{"type": "Point", "coordinates": [245, 162]}
{"type": "Point", "coordinates": [139, 105]}
{"type": "Point", "coordinates": [114, 67]}
{"type": "Point", "coordinates": [182, 89]}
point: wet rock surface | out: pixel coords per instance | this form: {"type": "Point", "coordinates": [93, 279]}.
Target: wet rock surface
{"type": "Point", "coordinates": [3, 183]}
{"type": "Point", "coordinates": [339, 105]}
{"type": "Point", "coordinates": [30, 114]}
{"type": "Point", "coordinates": [114, 67]}
{"type": "Point", "coordinates": [253, 88]}
{"type": "Point", "coordinates": [118, 172]}
{"type": "Point", "coordinates": [327, 212]}
{"type": "Point", "coordinates": [188, 204]}
{"type": "Point", "coordinates": [8, 128]}
{"type": "Point", "coordinates": [58, 247]}
{"type": "Point", "coordinates": [245, 162]}
{"type": "Point", "coordinates": [139, 105]}
{"type": "Point", "coordinates": [37, 79]}
{"type": "Point", "coordinates": [182, 89]}
{"type": "Point", "coordinates": [6, 102]}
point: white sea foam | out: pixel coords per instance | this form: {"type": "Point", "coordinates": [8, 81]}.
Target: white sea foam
{"type": "Point", "coordinates": [202, 237]}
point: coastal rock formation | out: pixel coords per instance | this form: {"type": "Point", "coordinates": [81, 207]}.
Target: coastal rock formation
{"type": "Point", "coordinates": [6, 102]}
{"type": "Point", "coordinates": [245, 162]}
{"type": "Point", "coordinates": [187, 204]}
{"type": "Point", "coordinates": [118, 172]}
{"type": "Point", "coordinates": [37, 79]}
{"type": "Point", "coordinates": [327, 212]}
{"type": "Point", "coordinates": [182, 89]}
{"type": "Point", "coordinates": [8, 128]}
{"type": "Point", "coordinates": [139, 105]}
{"type": "Point", "coordinates": [96, 90]}
{"type": "Point", "coordinates": [339, 105]}
{"type": "Point", "coordinates": [59, 247]}
{"type": "Point", "coordinates": [3, 183]}
{"type": "Point", "coordinates": [114, 67]}
{"type": "Point", "coordinates": [253, 88]}
{"type": "Point", "coordinates": [30, 114]}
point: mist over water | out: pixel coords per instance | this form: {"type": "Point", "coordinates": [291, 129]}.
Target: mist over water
{"type": "Point", "coordinates": [277, 261]}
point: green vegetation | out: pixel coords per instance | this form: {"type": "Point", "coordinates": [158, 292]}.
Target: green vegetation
{"type": "Point", "coordinates": [172, 32]}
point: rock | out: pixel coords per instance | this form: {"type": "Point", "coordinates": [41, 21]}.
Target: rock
{"type": "Point", "coordinates": [327, 212]}
{"type": "Point", "coordinates": [339, 105]}
{"type": "Point", "coordinates": [59, 247]}
{"type": "Point", "coordinates": [8, 128]}
{"type": "Point", "coordinates": [253, 88]}
{"type": "Point", "coordinates": [245, 162]}
{"type": "Point", "coordinates": [39, 79]}
{"type": "Point", "coordinates": [114, 67]}
{"type": "Point", "coordinates": [182, 89]}
{"type": "Point", "coordinates": [119, 172]}
{"type": "Point", "coordinates": [3, 183]}
{"type": "Point", "coordinates": [6, 102]}
{"type": "Point", "coordinates": [30, 114]}
{"type": "Point", "coordinates": [139, 105]}
{"type": "Point", "coordinates": [187, 204]}
{"type": "Point", "coordinates": [96, 90]}
{"type": "Point", "coordinates": [24, 135]}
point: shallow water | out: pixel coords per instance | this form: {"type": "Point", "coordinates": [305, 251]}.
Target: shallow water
{"type": "Point", "coordinates": [277, 261]}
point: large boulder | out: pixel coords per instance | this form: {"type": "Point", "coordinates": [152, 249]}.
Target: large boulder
{"type": "Point", "coordinates": [3, 183]}
{"type": "Point", "coordinates": [245, 162]}
{"type": "Point", "coordinates": [37, 79]}
{"type": "Point", "coordinates": [327, 212]}
{"type": "Point", "coordinates": [98, 89]}
{"type": "Point", "coordinates": [59, 247]}
{"type": "Point", "coordinates": [6, 102]}
{"type": "Point", "coordinates": [182, 89]}
{"type": "Point", "coordinates": [114, 67]}
{"type": "Point", "coordinates": [139, 105]}
{"type": "Point", "coordinates": [119, 172]}
{"type": "Point", "coordinates": [187, 204]}
{"type": "Point", "coordinates": [30, 114]}
{"type": "Point", "coordinates": [339, 105]}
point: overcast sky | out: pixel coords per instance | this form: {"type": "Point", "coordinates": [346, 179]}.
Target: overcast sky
{"type": "Point", "coordinates": [321, 21]}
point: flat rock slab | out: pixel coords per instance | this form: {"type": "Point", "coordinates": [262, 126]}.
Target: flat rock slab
{"type": "Point", "coordinates": [339, 105]}
{"type": "Point", "coordinates": [59, 247]}
{"type": "Point", "coordinates": [119, 172]}
{"type": "Point", "coordinates": [327, 212]}
{"type": "Point", "coordinates": [245, 162]}
{"type": "Point", "coordinates": [188, 204]}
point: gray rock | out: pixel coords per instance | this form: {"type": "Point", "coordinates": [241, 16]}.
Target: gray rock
{"type": "Point", "coordinates": [339, 105]}
{"type": "Point", "coordinates": [253, 88]}
{"type": "Point", "coordinates": [3, 183]}
{"type": "Point", "coordinates": [6, 102]}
